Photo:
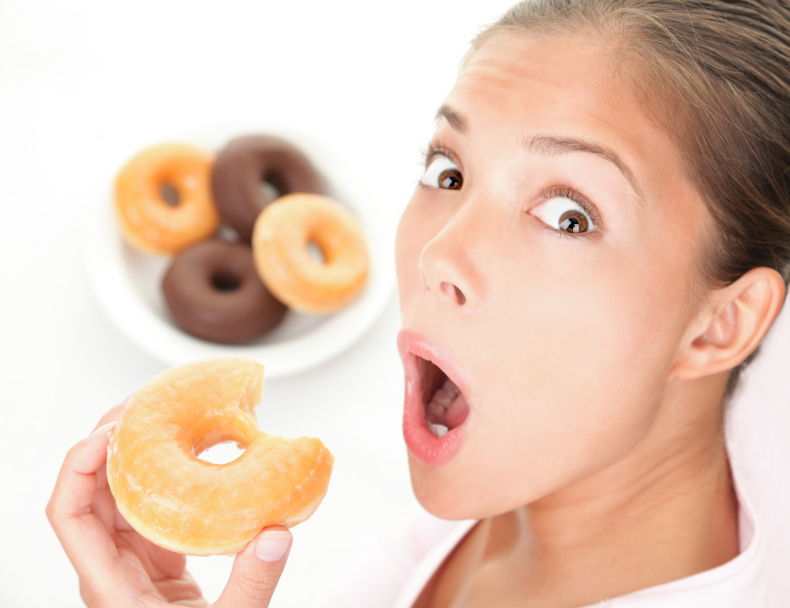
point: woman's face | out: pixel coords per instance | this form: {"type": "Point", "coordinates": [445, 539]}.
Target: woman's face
{"type": "Point", "coordinates": [546, 266]}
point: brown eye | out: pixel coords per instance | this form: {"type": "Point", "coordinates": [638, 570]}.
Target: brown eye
{"type": "Point", "coordinates": [442, 173]}
{"type": "Point", "coordinates": [563, 214]}
{"type": "Point", "coordinates": [451, 179]}
{"type": "Point", "coordinates": [573, 221]}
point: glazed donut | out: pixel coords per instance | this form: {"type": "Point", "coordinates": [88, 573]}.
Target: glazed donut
{"type": "Point", "coordinates": [213, 292]}
{"type": "Point", "coordinates": [244, 164]}
{"type": "Point", "coordinates": [283, 233]}
{"type": "Point", "coordinates": [190, 506]}
{"type": "Point", "coordinates": [163, 198]}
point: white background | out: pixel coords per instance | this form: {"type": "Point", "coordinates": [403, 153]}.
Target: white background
{"type": "Point", "coordinates": [84, 85]}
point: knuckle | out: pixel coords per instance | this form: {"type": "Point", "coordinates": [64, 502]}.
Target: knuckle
{"type": "Point", "coordinates": [71, 459]}
{"type": "Point", "coordinates": [73, 452]}
{"type": "Point", "coordinates": [51, 512]}
{"type": "Point", "coordinates": [256, 584]}
{"type": "Point", "coordinates": [87, 595]}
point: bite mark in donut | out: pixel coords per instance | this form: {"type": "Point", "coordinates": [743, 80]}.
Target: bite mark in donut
{"type": "Point", "coordinates": [190, 506]}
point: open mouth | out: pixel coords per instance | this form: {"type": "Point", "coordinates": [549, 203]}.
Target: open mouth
{"type": "Point", "coordinates": [436, 414]}
{"type": "Point", "coordinates": [444, 404]}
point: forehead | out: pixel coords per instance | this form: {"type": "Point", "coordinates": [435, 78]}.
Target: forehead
{"type": "Point", "coordinates": [528, 73]}
{"type": "Point", "coordinates": [525, 84]}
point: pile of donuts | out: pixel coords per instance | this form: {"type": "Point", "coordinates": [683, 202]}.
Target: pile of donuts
{"type": "Point", "coordinates": [289, 245]}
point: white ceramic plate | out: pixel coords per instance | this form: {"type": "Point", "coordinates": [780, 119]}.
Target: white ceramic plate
{"type": "Point", "coordinates": [127, 283]}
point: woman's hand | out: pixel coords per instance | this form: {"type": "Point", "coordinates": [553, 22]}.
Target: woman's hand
{"type": "Point", "coordinates": [117, 567]}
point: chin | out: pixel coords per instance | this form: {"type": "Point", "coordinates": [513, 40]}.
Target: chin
{"type": "Point", "coordinates": [438, 493]}
{"type": "Point", "coordinates": [448, 492]}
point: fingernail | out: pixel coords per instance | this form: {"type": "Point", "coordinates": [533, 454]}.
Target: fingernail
{"type": "Point", "coordinates": [105, 428]}
{"type": "Point", "coordinates": [272, 545]}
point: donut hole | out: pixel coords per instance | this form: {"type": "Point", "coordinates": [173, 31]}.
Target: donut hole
{"type": "Point", "coordinates": [170, 195]}
{"type": "Point", "coordinates": [271, 187]}
{"type": "Point", "coordinates": [315, 252]}
{"type": "Point", "coordinates": [225, 280]}
{"type": "Point", "coordinates": [222, 453]}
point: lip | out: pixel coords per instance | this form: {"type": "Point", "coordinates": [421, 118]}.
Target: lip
{"type": "Point", "coordinates": [421, 442]}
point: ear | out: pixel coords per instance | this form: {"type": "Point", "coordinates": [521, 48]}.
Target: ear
{"type": "Point", "coordinates": [732, 326]}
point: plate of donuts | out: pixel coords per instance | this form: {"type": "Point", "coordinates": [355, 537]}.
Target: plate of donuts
{"type": "Point", "coordinates": [245, 241]}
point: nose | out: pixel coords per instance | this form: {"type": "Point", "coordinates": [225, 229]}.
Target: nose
{"type": "Point", "coordinates": [451, 263]}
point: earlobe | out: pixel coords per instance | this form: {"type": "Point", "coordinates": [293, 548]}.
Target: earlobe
{"type": "Point", "coordinates": [728, 330]}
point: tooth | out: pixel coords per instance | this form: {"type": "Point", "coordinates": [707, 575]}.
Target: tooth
{"type": "Point", "coordinates": [439, 430]}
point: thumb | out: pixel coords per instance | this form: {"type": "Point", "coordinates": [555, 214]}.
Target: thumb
{"type": "Point", "coordinates": [256, 570]}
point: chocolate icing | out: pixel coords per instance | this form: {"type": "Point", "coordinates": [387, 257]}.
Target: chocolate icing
{"type": "Point", "coordinates": [213, 292]}
{"type": "Point", "coordinates": [241, 167]}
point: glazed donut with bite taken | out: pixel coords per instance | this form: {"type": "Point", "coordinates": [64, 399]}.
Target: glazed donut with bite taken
{"type": "Point", "coordinates": [187, 505]}
{"type": "Point", "coordinates": [214, 292]}
{"type": "Point", "coordinates": [281, 240]}
{"type": "Point", "coordinates": [244, 164]}
{"type": "Point", "coordinates": [163, 198]}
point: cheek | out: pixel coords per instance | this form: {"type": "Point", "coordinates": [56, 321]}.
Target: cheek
{"type": "Point", "coordinates": [606, 339]}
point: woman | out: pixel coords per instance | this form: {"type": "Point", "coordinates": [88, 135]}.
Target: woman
{"type": "Point", "coordinates": [600, 241]}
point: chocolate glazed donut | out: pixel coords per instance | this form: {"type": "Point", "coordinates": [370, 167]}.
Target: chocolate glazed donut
{"type": "Point", "coordinates": [241, 167]}
{"type": "Point", "coordinates": [214, 293]}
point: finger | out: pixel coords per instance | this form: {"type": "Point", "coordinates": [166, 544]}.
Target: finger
{"type": "Point", "coordinates": [85, 539]}
{"type": "Point", "coordinates": [114, 412]}
{"type": "Point", "coordinates": [120, 521]}
{"type": "Point", "coordinates": [256, 570]}
{"type": "Point", "coordinates": [103, 506]}
{"type": "Point", "coordinates": [181, 591]}
{"type": "Point", "coordinates": [169, 564]}
{"type": "Point", "coordinates": [103, 501]}
{"type": "Point", "coordinates": [159, 563]}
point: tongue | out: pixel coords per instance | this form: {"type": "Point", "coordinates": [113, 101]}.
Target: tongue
{"type": "Point", "coordinates": [448, 406]}
{"type": "Point", "coordinates": [457, 412]}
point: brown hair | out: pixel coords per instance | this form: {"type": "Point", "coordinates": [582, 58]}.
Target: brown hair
{"type": "Point", "coordinates": [716, 75]}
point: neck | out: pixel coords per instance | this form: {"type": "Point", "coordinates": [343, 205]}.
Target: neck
{"type": "Point", "coordinates": [665, 511]}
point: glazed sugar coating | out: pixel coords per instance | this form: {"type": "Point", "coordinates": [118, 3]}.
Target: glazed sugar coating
{"type": "Point", "coordinates": [190, 506]}
{"type": "Point", "coordinates": [280, 241]}
{"type": "Point", "coordinates": [147, 221]}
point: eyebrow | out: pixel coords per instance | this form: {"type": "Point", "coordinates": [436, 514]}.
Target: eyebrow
{"type": "Point", "coordinates": [455, 120]}
{"type": "Point", "coordinates": [547, 145]}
